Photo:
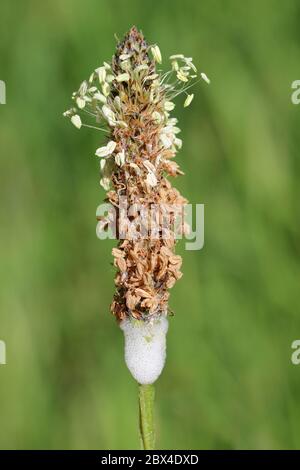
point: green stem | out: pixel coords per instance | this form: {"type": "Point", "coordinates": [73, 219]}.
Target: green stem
{"type": "Point", "coordinates": [146, 402]}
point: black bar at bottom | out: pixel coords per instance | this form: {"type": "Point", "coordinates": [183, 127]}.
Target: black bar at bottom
{"type": "Point", "coordinates": [134, 459]}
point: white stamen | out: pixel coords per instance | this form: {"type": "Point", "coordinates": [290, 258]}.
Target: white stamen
{"type": "Point", "coordinates": [80, 102]}
{"type": "Point", "coordinates": [101, 74]}
{"type": "Point", "coordinates": [76, 121]}
{"type": "Point", "coordinates": [205, 77]}
{"type": "Point", "coordinates": [106, 150]}
{"type": "Point", "coordinates": [169, 106]}
{"type": "Point", "coordinates": [98, 96]}
{"type": "Point", "coordinates": [176, 56]}
{"type": "Point", "coordinates": [188, 100]}
{"type": "Point", "coordinates": [156, 54]}
{"type": "Point", "coordinates": [120, 158]}
{"type": "Point", "coordinates": [105, 183]}
{"type": "Point", "coordinates": [123, 77]}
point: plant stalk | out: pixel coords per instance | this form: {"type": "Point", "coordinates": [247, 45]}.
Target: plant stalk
{"type": "Point", "coordinates": [146, 405]}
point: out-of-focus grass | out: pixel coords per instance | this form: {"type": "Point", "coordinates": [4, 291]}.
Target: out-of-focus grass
{"type": "Point", "coordinates": [229, 382]}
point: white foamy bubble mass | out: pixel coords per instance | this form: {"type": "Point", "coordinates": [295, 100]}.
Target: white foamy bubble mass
{"type": "Point", "coordinates": [145, 348]}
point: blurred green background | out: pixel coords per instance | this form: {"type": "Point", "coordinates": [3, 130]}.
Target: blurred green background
{"type": "Point", "coordinates": [229, 382]}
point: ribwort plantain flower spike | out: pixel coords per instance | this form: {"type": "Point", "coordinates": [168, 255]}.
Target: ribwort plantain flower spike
{"type": "Point", "coordinates": [131, 99]}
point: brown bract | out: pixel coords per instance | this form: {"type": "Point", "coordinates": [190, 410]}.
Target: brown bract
{"type": "Point", "coordinates": [146, 268]}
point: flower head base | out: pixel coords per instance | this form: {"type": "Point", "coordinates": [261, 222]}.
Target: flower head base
{"type": "Point", "coordinates": [132, 101]}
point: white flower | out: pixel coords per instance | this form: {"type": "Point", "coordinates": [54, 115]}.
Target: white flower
{"type": "Point", "coordinates": [157, 117]}
{"type": "Point", "coordinates": [105, 89]}
{"type": "Point", "coordinates": [111, 146]}
{"type": "Point", "coordinates": [102, 164]}
{"type": "Point", "coordinates": [156, 54]}
{"type": "Point", "coordinates": [68, 113]}
{"type": "Point", "coordinates": [80, 102]}
{"type": "Point", "coordinates": [181, 76]}
{"type": "Point", "coordinates": [123, 77]}
{"type": "Point", "coordinates": [83, 88]}
{"type": "Point", "coordinates": [189, 62]}
{"type": "Point", "coordinates": [98, 96]}
{"type": "Point", "coordinates": [167, 135]}
{"type": "Point", "coordinates": [101, 71]}
{"type": "Point", "coordinates": [169, 106]}
{"type": "Point", "coordinates": [166, 141]}
{"type": "Point", "coordinates": [120, 158]}
{"type": "Point", "coordinates": [188, 100]}
{"type": "Point", "coordinates": [109, 115]}
{"type": "Point", "coordinates": [172, 122]}
{"type": "Point", "coordinates": [76, 121]}
{"type": "Point", "coordinates": [205, 77]}
{"type": "Point", "coordinates": [141, 67]}
{"type": "Point", "coordinates": [178, 142]}
{"type": "Point", "coordinates": [170, 129]}
{"type": "Point", "coordinates": [151, 179]}
{"type": "Point", "coordinates": [122, 124]}
{"type": "Point", "coordinates": [125, 65]}
{"type": "Point", "coordinates": [176, 56]}
{"type": "Point", "coordinates": [117, 102]}
{"type": "Point", "coordinates": [106, 150]}
{"type": "Point", "coordinates": [175, 65]}
{"type": "Point", "coordinates": [151, 77]}
{"type": "Point", "coordinates": [102, 152]}
{"type": "Point", "coordinates": [105, 183]}
{"type": "Point", "coordinates": [110, 78]}
{"type": "Point", "coordinates": [124, 56]}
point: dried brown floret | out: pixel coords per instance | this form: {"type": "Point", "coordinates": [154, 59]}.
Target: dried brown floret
{"type": "Point", "coordinates": [134, 101]}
